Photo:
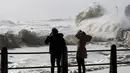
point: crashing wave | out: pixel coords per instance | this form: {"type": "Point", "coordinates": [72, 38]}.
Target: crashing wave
{"type": "Point", "coordinates": [106, 25]}
{"type": "Point", "coordinates": [93, 11]}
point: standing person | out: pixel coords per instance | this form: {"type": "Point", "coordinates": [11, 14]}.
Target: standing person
{"type": "Point", "coordinates": [64, 56]}
{"type": "Point", "coordinates": [81, 50]}
{"type": "Point", "coordinates": [55, 42]}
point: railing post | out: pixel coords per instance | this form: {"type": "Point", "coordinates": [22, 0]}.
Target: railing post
{"type": "Point", "coordinates": [113, 59]}
{"type": "Point", "coordinates": [4, 60]}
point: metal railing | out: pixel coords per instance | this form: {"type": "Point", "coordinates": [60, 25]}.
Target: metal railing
{"type": "Point", "coordinates": [113, 59]}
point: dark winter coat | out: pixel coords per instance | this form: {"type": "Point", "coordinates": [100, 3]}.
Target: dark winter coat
{"type": "Point", "coordinates": [56, 44]}
{"type": "Point", "coordinates": [81, 49]}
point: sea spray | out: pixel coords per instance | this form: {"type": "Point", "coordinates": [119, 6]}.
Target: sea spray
{"type": "Point", "coordinates": [104, 25]}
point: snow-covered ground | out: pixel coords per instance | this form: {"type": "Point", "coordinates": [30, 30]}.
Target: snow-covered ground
{"type": "Point", "coordinates": [44, 59]}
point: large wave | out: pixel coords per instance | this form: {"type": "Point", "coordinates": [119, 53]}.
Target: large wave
{"type": "Point", "coordinates": [91, 12]}
{"type": "Point", "coordinates": [103, 24]}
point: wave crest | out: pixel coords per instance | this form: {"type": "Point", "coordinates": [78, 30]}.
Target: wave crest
{"type": "Point", "coordinates": [93, 11]}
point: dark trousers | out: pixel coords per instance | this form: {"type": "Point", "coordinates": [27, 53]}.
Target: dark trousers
{"type": "Point", "coordinates": [56, 58]}
{"type": "Point", "coordinates": [64, 63]}
{"type": "Point", "coordinates": [80, 62]}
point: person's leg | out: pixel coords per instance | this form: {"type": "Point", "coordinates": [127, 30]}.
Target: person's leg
{"type": "Point", "coordinates": [65, 68]}
{"type": "Point", "coordinates": [52, 63]}
{"type": "Point", "coordinates": [58, 63]}
{"type": "Point", "coordinates": [79, 65]}
{"type": "Point", "coordinates": [83, 65]}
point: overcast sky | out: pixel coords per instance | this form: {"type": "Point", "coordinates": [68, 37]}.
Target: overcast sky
{"type": "Point", "coordinates": [46, 9]}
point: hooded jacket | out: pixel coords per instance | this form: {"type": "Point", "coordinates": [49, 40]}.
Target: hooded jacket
{"type": "Point", "coordinates": [56, 43]}
{"type": "Point", "coordinates": [81, 49]}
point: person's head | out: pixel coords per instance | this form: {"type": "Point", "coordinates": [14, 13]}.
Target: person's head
{"type": "Point", "coordinates": [54, 31]}
{"type": "Point", "coordinates": [80, 31]}
{"type": "Point", "coordinates": [61, 35]}
{"type": "Point", "coordinates": [83, 33]}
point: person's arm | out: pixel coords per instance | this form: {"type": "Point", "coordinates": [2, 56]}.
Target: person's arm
{"type": "Point", "coordinates": [47, 40]}
{"type": "Point", "coordinates": [78, 34]}
{"type": "Point", "coordinates": [64, 50]}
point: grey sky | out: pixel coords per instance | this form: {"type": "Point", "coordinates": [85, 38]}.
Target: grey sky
{"type": "Point", "coordinates": [45, 9]}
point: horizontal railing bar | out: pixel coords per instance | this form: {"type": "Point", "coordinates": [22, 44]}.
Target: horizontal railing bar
{"type": "Point", "coordinates": [123, 49]}
{"type": "Point", "coordinates": [28, 53]}
{"type": "Point", "coordinates": [68, 66]}
{"type": "Point", "coordinates": [68, 51]}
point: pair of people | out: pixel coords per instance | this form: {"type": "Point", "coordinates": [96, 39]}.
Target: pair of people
{"type": "Point", "coordinates": [58, 50]}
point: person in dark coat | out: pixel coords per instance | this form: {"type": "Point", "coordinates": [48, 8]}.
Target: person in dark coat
{"type": "Point", "coordinates": [56, 44]}
{"type": "Point", "coordinates": [81, 49]}
{"type": "Point", "coordinates": [64, 56]}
